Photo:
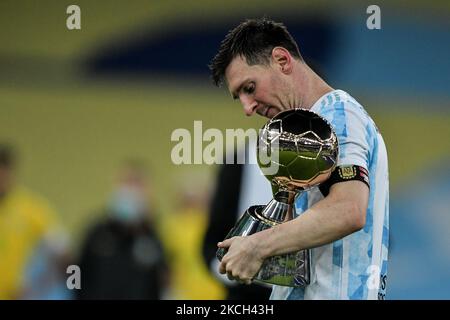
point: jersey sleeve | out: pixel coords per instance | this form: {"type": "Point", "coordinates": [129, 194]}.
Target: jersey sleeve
{"type": "Point", "coordinates": [353, 129]}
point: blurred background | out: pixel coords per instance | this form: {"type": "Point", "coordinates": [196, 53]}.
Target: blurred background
{"type": "Point", "coordinates": [86, 118]}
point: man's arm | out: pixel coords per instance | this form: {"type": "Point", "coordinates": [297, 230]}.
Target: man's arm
{"type": "Point", "coordinates": [341, 213]}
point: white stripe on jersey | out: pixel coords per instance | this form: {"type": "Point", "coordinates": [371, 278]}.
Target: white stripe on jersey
{"type": "Point", "coordinates": [379, 206]}
{"type": "Point", "coordinates": [345, 270]}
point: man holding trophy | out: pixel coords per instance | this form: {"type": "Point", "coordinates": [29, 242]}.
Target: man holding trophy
{"type": "Point", "coordinates": [324, 235]}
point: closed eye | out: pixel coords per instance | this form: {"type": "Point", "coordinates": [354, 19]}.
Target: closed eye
{"type": "Point", "coordinates": [249, 89]}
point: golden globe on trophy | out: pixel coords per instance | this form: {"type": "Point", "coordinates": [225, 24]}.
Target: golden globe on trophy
{"type": "Point", "coordinates": [297, 150]}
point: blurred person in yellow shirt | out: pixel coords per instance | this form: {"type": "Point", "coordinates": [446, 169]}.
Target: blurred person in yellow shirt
{"type": "Point", "coordinates": [28, 247]}
{"type": "Point", "coordinates": [183, 233]}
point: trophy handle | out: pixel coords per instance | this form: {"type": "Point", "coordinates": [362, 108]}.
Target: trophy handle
{"type": "Point", "coordinates": [292, 269]}
{"type": "Point", "coordinates": [247, 224]}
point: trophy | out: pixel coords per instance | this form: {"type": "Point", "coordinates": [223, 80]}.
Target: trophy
{"type": "Point", "coordinates": [297, 150]}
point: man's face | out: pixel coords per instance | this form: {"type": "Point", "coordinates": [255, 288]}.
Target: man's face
{"type": "Point", "coordinates": [129, 202]}
{"type": "Point", "coordinates": [260, 88]}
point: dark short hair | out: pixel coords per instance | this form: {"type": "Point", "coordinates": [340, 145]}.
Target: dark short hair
{"type": "Point", "coordinates": [253, 39]}
{"type": "Point", "coordinates": [7, 156]}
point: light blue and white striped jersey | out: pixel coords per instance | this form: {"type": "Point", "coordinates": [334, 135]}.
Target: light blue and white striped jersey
{"type": "Point", "coordinates": [355, 266]}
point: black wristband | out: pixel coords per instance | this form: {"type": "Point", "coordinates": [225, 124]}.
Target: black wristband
{"type": "Point", "coordinates": [345, 173]}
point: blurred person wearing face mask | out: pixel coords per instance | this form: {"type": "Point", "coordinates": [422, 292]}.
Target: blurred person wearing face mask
{"type": "Point", "coordinates": [122, 257]}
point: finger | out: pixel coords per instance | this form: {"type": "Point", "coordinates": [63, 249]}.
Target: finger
{"type": "Point", "coordinates": [230, 276]}
{"type": "Point", "coordinates": [244, 280]}
{"type": "Point", "coordinates": [225, 243]}
{"type": "Point", "coordinates": [222, 268]}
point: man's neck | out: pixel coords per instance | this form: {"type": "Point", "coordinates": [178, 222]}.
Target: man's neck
{"type": "Point", "coordinates": [316, 88]}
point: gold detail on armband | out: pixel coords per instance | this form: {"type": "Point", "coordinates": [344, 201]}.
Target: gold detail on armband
{"type": "Point", "coordinates": [347, 172]}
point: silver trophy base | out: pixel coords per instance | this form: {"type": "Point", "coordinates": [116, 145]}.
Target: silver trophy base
{"type": "Point", "coordinates": [292, 269]}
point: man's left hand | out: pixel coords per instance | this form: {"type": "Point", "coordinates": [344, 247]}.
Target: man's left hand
{"type": "Point", "coordinates": [243, 259]}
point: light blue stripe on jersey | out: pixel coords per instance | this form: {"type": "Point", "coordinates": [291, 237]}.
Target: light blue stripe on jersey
{"type": "Point", "coordinates": [386, 223]}
{"type": "Point", "coordinates": [301, 204]}
{"type": "Point", "coordinates": [338, 121]}
{"type": "Point", "coordinates": [372, 141]}
{"type": "Point", "coordinates": [361, 291]}
{"type": "Point", "coordinates": [297, 294]}
{"type": "Point", "coordinates": [336, 97]}
{"type": "Point", "coordinates": [385, 238]}
{"type": "Point", "coordinates": [338, 254]}
{"type": "Point", "coordinates": [330, 99]}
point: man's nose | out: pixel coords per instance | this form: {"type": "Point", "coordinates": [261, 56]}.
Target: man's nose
{"type": "Point", "coordinates": [249, 104]}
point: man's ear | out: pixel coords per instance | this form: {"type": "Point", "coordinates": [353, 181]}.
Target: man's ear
{"type": "Point", "coordinates": [282, 59]}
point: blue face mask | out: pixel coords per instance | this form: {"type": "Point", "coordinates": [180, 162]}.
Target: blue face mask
{"type": "Point", "coordinates": [127, 205]}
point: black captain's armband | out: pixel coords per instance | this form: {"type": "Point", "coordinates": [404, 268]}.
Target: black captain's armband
{"type": "Point", "coordinates": [345, 173]}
